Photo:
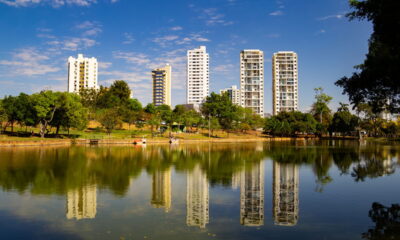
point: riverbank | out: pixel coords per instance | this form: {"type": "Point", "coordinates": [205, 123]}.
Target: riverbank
{"type": "Point", "coordinates": [68, 142]}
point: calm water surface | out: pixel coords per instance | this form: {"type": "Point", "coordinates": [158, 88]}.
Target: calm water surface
{"type": "Point", "coordinates": [299, 190]}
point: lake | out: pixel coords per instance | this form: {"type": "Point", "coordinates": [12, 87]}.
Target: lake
{"type": "Point", "coordinates": [262, 190]}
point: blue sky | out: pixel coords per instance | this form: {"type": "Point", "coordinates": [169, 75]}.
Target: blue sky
{"type": "Point", "coordinates": [130, 37]}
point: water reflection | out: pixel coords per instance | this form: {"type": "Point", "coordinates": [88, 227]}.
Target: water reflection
{"type": "Point", "coordinates": [77, 173]}
{"type": "Point", "coordinates": [197, 198]}
{"type": "Point", "coordinates": [161, 196]}
{"type": "Point", "coordinates": [252, 195]}
{"type": "Point", "coordinates": [387, 222]}
{"type": "Point", "coordinates": [285, 194]}
{"type": "Point", "coordinates": [82, 203]}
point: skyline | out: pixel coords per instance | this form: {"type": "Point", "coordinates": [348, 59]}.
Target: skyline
{"type": "Point", "coordinates": [43, 35]}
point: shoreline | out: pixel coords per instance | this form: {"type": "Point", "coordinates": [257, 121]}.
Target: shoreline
{"type": "Point", "coordinates": [69, 142]}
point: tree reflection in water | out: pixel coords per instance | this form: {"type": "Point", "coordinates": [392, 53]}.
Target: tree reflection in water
{"type": "Point", "coordinates": [51, 170]}
{"type": "Point", "coordinates": [387, 222]}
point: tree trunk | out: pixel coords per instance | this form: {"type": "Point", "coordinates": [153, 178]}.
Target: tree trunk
{"type": "Point", "coordinates": [42, 129]}
{"type": "Point", "coordinates": [57, 129]}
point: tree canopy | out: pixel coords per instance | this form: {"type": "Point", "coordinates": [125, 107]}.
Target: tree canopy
{"type": "Point", "coordinates": [376, 80]}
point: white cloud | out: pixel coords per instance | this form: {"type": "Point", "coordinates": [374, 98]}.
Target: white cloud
{"type": "Point", "coordinates": [90, 28]}
{"type": "Point", "coordinates": [133, 58]}
{"type": "Point", "coordinates": [322, 31]}
{"type": "Point", "coordinates": [224, 68]}
{"type": "Point", "coordinates": [196, 37]}
{"type": "Point", "coordinates": [104, 65]}
{"type": "Point", "coordinates": [28, 62]}
{"type": "Point", "coordinates": [165, 40]}
{"type": "Point", "coordinates": [212, 17]}
{"type": "Point", "coordinates": [128, 38]}
{"type": "Point", "coordinates": [176, 28]}
{"type": "Point", "coordinates": [54, 3]}
{"type": "Point", "coordinates": [72, 44]}
{"type": "Point", "coordinates": [276, 13]}
{"type": "Point", "coordinates": [337, 16]}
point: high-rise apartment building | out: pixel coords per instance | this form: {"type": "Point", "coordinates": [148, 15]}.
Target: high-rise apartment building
{"type": "Point", "coordinates": [162, 85]}
{"type": "Point", "coordinates": [286, 194]}
{"type": "Point", "coordinates": [252, 80]}
{"type": "Point", "coordinates": [234, 94]}
{"type": "Point", "coordinates": [284, 82]}
{"type": "Point", "coordinates": [198, 75]}
{"type": "Point", "coordinates": [82, 73]}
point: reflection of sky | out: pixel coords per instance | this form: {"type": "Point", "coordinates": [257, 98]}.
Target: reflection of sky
{"type": "Point", "coordinates": [340, 211]}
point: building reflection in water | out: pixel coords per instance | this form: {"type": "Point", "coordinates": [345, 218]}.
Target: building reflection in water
{"type": "Point", "coordinates": [82, 203]}
{"type": "Point", "coordinates": [197, 196]}
{"type": "Point", "coordinates": [161, 195]}
{"type": "Point", "coordinates": [285, 194]}
{"type": "Point", "coordinates": [252, 195]}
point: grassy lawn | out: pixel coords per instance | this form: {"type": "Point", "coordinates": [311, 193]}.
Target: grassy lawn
{"type": "Point", "coordinates": [23, 134]}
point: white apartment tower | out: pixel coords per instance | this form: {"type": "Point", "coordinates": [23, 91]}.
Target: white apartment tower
{"type": "Point", "coordinates": [234, 94]}
{"type": "Point", "coordinates": [82, 73]}
{"type": "Point", "coordinates": [284, 82]}
{"type": "Point", "coordinates": [252, 80]}
{"type": "Point", "coordinates": [198, 75]}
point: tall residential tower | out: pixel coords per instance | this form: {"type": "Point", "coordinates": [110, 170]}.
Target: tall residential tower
{"type": "Point", "coordinates": [162, 85]}
{"type": "Point", "coordinates": [198, 76]}
{"type": "Point", "coordinates": [284, 82]}
{"type": "Point", "coordinates": [252, 80]}
{"type": "Point", "coordinates": [82, 73]}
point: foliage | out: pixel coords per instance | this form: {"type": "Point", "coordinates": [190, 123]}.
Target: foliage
{"type": "Point", "coordinates": [109, 119]}
{"type": "Point", "coordinates": [45, 104]}
{"type": "Point", "coordinates": [376, 80]}
{"type": "Point", "coordinates": [343, 121]}
{"type": "Point", "coordinates": [387, 222]}
{"type": "Point", "coordinates": [70, 112]}
{"type": "Point", "coordinates": [290, 123]}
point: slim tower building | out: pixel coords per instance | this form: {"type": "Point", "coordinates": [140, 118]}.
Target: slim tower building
{"type": "Point", "coordinates": [198, 76]}
{"type": "Point", "coordinates": [82, 73]}
{"type": "Point", "coordinates": [252, 80]}
{"type": "Point", "coordinates": [284, 82]}
{"type": "Point", "coordinates": [162, 85]}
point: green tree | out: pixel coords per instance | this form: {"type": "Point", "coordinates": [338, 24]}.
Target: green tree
{"type": "Point", "coordinates": [109, 119]}
{"type": "Point", "coordinates": [131, 112]}
{"type": "Point", "coordinates": [10, 109]}
{"type": "Point", "coordinates": [121, 90]}
{"type": "Point", "coordinates": [25, 111]}
{"type": "Point", "coordinates": [117, 95]}
{"type": "Point", "coordinates": [321, 110]}
{"type": "Point", "coordinates": [45, 105]}
{"type": "Point", "coordinates": [3, 116]}
{"type": "Point", "coordinates": [343, 121]}
{"type": "Point", "coordinates": [376, 80]}
{"type": "Point", "coordinates": [222, 108]}
{"type": "Point", "coordinates": [70, 112]}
